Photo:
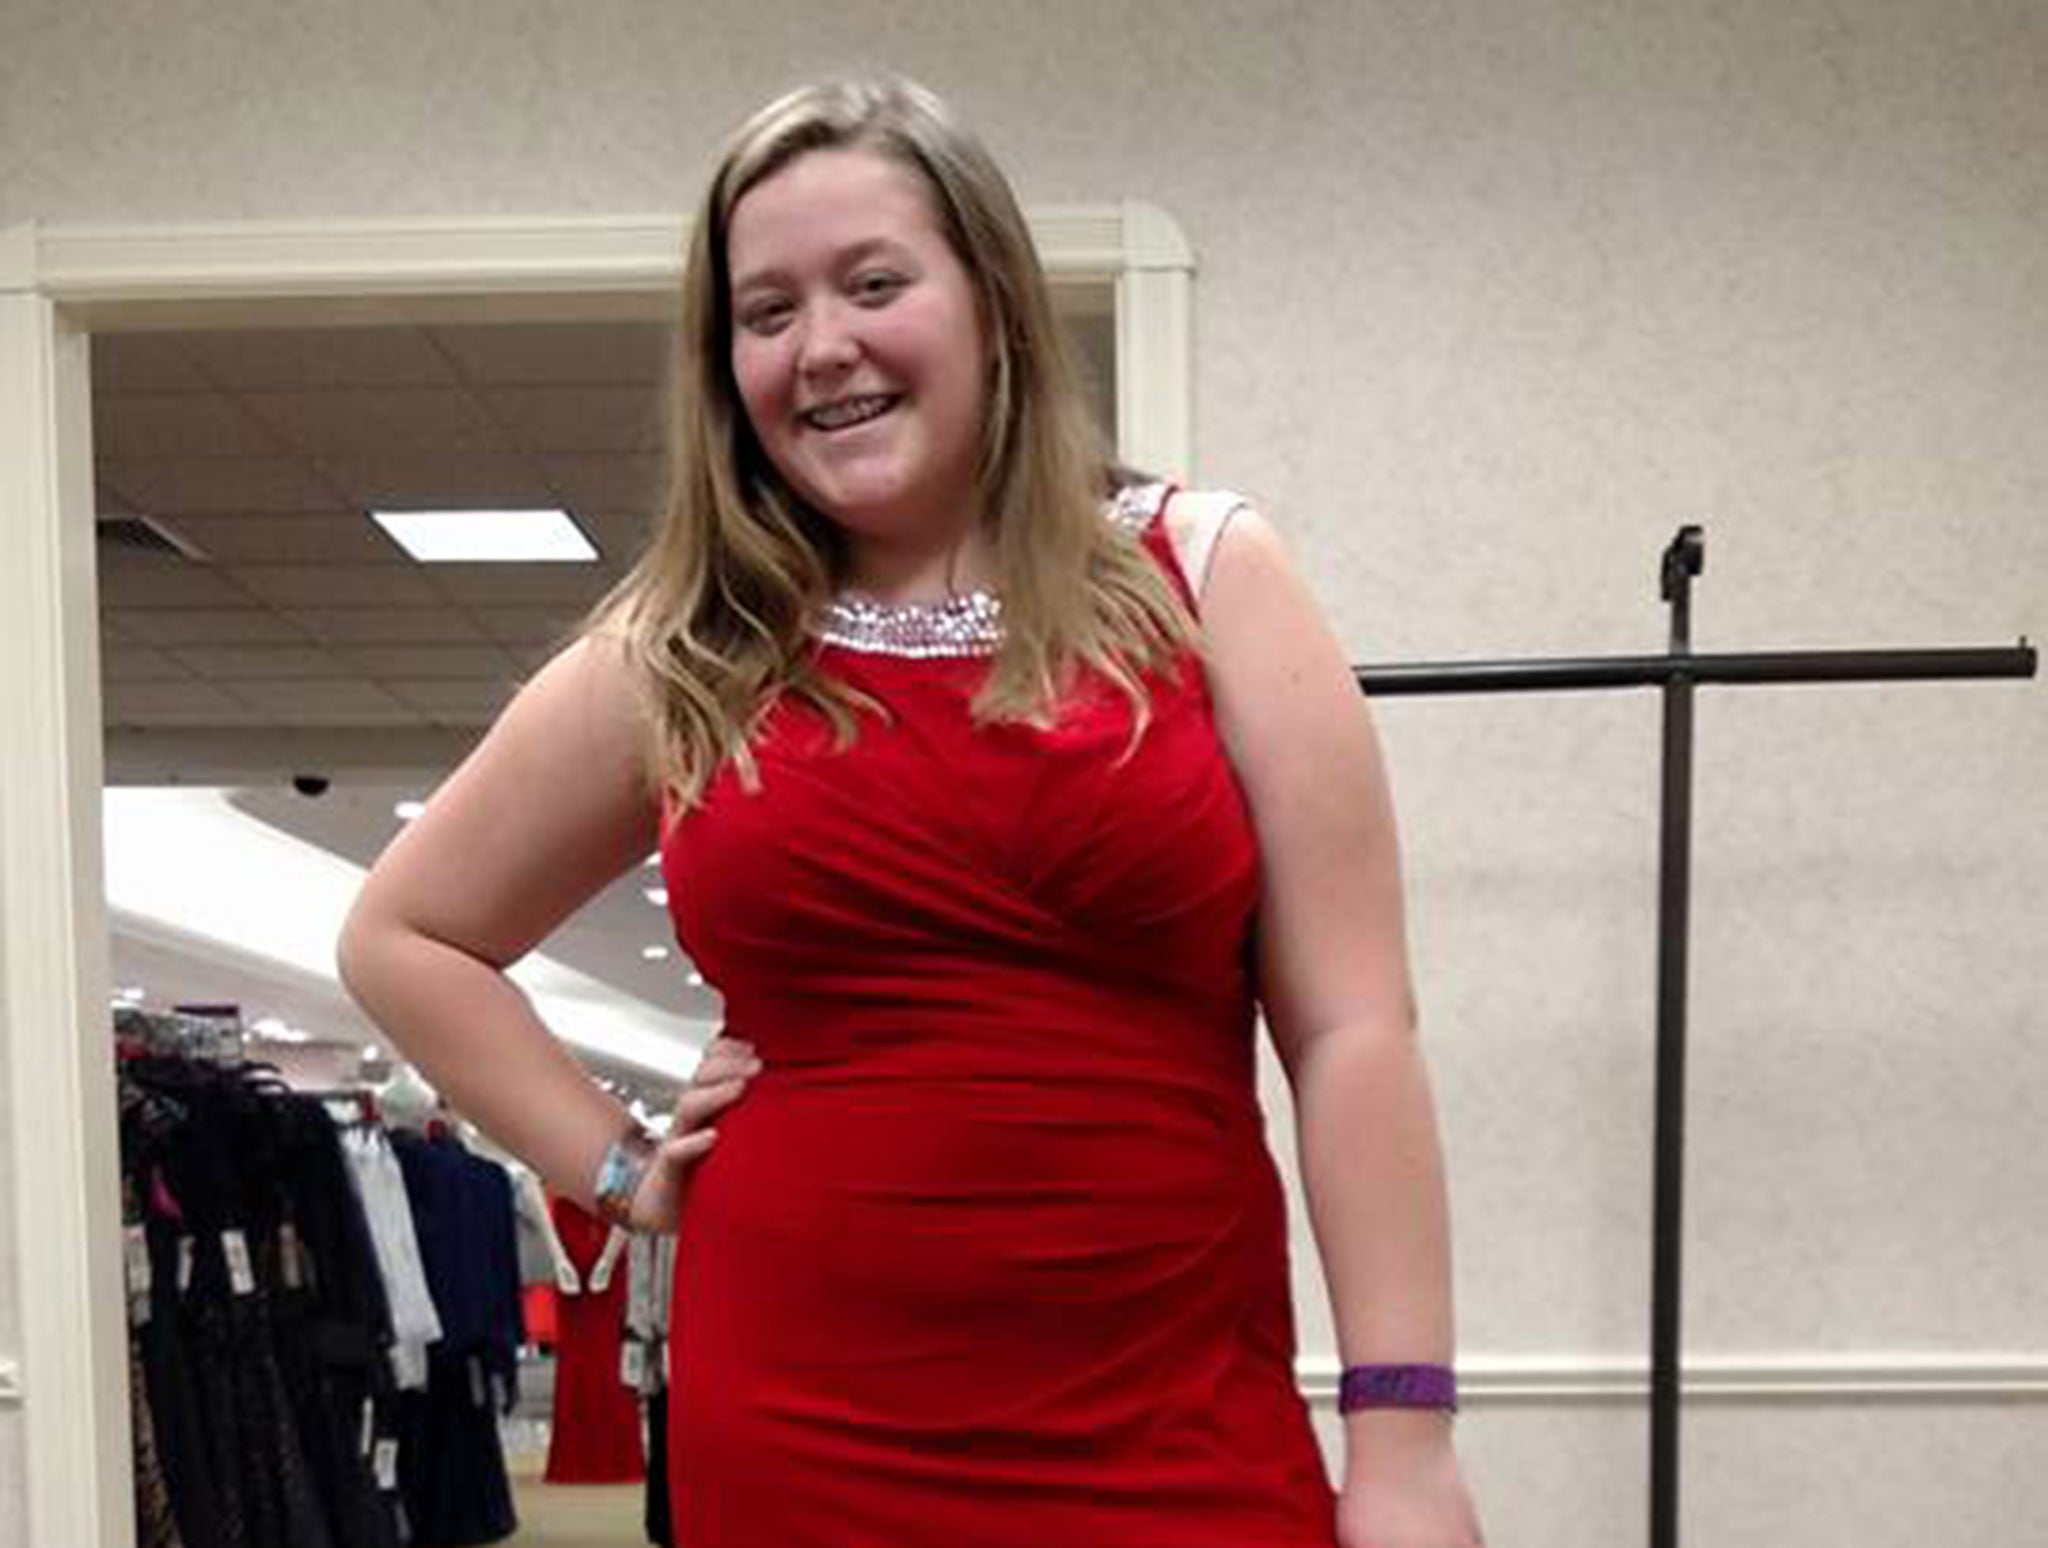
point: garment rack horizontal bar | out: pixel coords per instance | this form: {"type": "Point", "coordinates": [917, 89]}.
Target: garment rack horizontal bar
{"type": "Point", "coordinates": [1569, 674]}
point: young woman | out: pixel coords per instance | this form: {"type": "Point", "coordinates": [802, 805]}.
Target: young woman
{"type": "Point", "coordinates": [994, 793]}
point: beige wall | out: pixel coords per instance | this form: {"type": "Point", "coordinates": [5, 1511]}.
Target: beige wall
{"type": "Point", "coordinates": [13, 1514]}
{"type": "Point", "coordinates": [1491, 298]}
{"type": "Point", "coordinates": [13, 1510]}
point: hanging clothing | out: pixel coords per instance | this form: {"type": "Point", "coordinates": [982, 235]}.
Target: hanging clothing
{"type": "Point", "coordinates": [156, 1521]}
{"type": "Point", "coordinates": [650, 1277]}
{"type": "Point", "coordinates": [451, 1461]}
{"type": "Point", "coordinates": [658, 1520]}
{"type": "Point", "coordinates": [540, 1306]}
{"type": "Point", "coordinates": [381, 1188]}
{"type": "Point", "coordinates": [595, 1436]}
{"type": "Point", "coordinates": [258, 1315]}
{"type": "Point", "coordinates": [539, 1247]}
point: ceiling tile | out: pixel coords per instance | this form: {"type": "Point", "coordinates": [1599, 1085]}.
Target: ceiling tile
{"type": "Point", "coordinates": [346, 702]}
{"type": "Point", "coordinates": [426, 480]}
{"type": "Point", "coordinates": [130, 580]}
{"type": "Point", "coordinates": [292, 537]}
{"type": "Point", "coordinates": [432, 661]}
{"type": "Point", "coordinates": [320, 357]}
{"type": "Point", "coordinates": [373, 421]}
{"type": "Point", "coordinates": [388, 625]}
{"type": "Point", "coordinates": [531, 658]}
{"type": "Point", "coordinates": [496, 585]}
{"type": "Point", "coordinates": [1081, 301]}
{"type": "Point", "coordinates": [593, 353]}
{"type": "Point", "coordinates": [307, 585]}
{"type": "Point", "coordinates": [618, 536]}
{"type": "Point", "coordinates": [109, 501]}
{"type": "Point", "coordinates": [614, 481]}
{"type": "Point", "coordinates": [187, 703]}
{"type": "Point", "coordinates": [205, 626]}
{"type": "Point", "coordinates": [579, 419]}
{"type": "Point", "coordinates": [537, 626]}
{"type": "Point", "coordinates": [238, 663]}
{"type": "Point", "coordinates": [143, 362]}
{"type": "Point", "coordinates": [121, 663]}
{"type": "Point", "coordinates": [176, 424]}
{"type": "Point", "coordinates": [176, 485]}
{"type": "Point", "coordinates": [468, 700]}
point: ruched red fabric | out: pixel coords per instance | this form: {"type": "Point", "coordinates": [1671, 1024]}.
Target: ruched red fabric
{"type": "Point", "coordinates": [993, 1253]}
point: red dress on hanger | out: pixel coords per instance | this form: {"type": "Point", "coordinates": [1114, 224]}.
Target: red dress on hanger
{"type": "Point", "coordinates": [595, 1437]}
{"type": "Point", "coordinates": [993, 1251]}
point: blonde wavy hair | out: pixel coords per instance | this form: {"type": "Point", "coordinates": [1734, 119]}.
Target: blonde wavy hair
{"type": "Point", "coordinates": [718, 617]}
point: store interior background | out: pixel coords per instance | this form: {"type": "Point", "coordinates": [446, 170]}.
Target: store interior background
{"type": "Point", "coordinates": [280, 679]}
{"type": "Point", "coordinates": [285, 675]}
{"type": "Point", "coordinates": [1490, 298]}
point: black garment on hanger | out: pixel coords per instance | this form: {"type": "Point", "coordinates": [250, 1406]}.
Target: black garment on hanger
{"type": "Point", "coordinates": [266, 1325]}
{"type": "Point", "coordinates": [451, 1460]}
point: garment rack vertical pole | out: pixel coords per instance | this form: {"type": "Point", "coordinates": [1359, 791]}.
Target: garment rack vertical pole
{"type": "Point", "coordinates": [1677, 674]}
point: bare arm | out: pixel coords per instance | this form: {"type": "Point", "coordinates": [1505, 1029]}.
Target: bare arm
{"type": "Point", "coordinates": [550, 807]}
{"type": "Point", "coordinates": [1334, 980]}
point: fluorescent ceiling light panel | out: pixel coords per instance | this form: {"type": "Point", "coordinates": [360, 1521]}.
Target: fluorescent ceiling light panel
{"type": "Point", "coordinates": [488, 537]}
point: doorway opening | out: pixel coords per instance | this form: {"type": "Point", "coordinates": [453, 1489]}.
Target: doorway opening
{"type": "Point", "coordinates": [226, 644]}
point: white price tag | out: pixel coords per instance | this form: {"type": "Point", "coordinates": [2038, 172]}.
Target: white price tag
{"type": "Point", "coordinates": [632, 1364]}
{"type": "Point", "coordinates": [290, 1266]}
{"type": "Point", "coordinates": [386, 1463]}
{"type": "Point", "coordinates": [135, 1250]}
{"type": "Point", "coordinates": [185, 1253]}
{"type": "Point", "coordinates": [234, 1247]}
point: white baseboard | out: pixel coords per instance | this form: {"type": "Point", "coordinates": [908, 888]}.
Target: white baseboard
{"type": "Point", "coordinates": [1484, 1381]}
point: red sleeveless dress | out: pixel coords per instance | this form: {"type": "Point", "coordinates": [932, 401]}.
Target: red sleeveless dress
{"type": "Point", "coordinates": [993, 1253]}
{"type": "Point", "coordinates": [595, 1434]}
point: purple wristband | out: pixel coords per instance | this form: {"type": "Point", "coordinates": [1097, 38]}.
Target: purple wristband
{"type": "Point", "coordinates": [1397, 1386]}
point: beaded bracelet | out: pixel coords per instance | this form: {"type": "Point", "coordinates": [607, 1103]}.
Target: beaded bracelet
{"type": "Point", "coordinates": [1397, 1386]}
{"type": "Point", "coordinates": [619, 1174]}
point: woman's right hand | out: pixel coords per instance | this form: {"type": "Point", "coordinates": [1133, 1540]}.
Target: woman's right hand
{"type": "Point", "coordinates": [719, 1080]}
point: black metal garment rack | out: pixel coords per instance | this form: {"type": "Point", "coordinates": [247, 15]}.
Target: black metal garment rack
{"type": "Point", "coordinates": [1678, 673]}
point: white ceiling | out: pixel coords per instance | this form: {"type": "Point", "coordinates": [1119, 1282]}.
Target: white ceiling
{"type": "Point", "coordinates": [290, 635]}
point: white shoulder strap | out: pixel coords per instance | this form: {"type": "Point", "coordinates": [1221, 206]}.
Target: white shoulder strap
{"type": "Point", "coordinates": [1194, 521]}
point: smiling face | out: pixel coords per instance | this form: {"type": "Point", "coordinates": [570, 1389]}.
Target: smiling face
{"type": "Point", "coordinates": [857, 346]}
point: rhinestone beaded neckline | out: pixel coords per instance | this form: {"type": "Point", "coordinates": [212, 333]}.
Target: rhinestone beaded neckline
{"type": "Point", "coordinates": [967, 624]}
{"type": "Point", "coordinates": [970, 624]}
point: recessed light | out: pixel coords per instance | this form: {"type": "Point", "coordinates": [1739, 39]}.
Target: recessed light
{"type": "Point", "coordinates": [488, 537]}
{"type": "Point", "coordinates": [696, 979]}
{"type": "Point", "coordinates": [658, 896]}
{"type": "Point", "coordinates": [654, 953]}
{"type": "Point", "coordinates": [405, 811]}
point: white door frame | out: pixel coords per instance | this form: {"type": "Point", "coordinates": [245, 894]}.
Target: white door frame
{"type": "Point", "coordinates": [58, 285]}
